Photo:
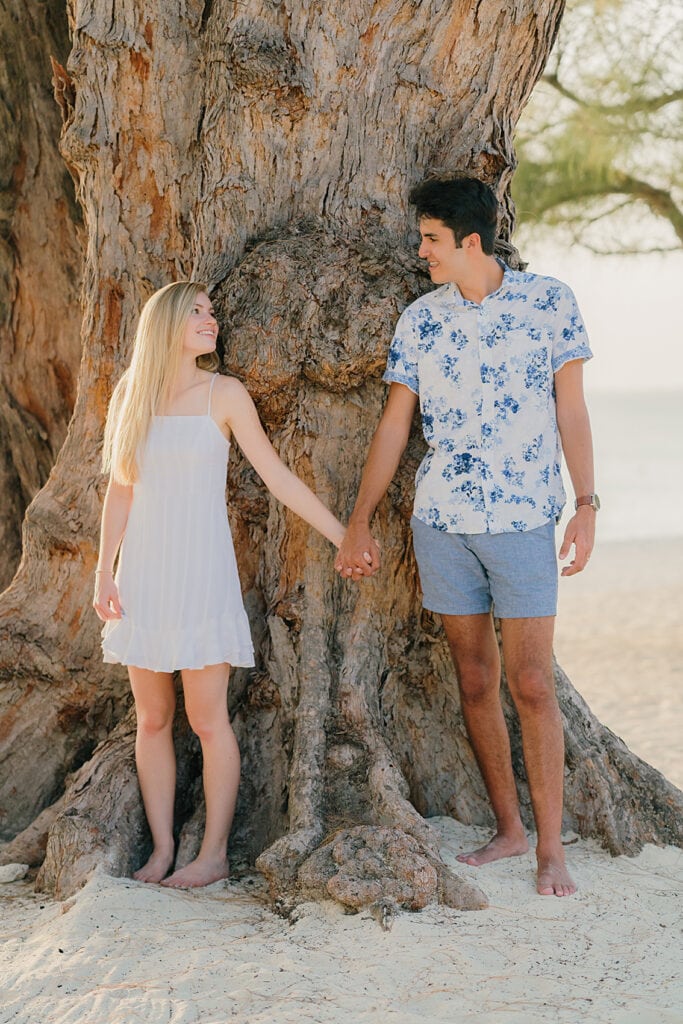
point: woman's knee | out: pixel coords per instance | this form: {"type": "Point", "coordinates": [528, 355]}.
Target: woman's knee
{"type": "Point", "coordinates": [154, 720]}
{"type": "Point", "coordinates": [208, 726]}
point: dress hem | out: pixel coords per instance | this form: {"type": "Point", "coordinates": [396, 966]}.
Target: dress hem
{"type": "Point", "coordinates": [239, 661]}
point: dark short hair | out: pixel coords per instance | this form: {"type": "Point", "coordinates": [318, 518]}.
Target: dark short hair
{"type": "Point", "coordinates": [465, 205]}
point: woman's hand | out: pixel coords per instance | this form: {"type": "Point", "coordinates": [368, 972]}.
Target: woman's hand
{"type": "Point", "coordinates": [117, 503]}
{"type": "Point", "coordinates": [358, 554]}
{"type": "Point", "coordinates": [106, 600]}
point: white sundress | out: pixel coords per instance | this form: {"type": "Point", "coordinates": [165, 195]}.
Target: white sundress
{"type": "Point", "coordinates": [177, 574]}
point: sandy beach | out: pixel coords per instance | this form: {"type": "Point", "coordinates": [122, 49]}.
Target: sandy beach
{"type": "Point", "coordinates": [121, 952]}
{"type": "Point", "coordinates": [619, 638]}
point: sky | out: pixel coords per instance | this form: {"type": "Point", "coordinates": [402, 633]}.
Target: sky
{"type": "Point", "coordinates": [632, 309]}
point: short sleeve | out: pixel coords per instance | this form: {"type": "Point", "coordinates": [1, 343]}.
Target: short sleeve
{"type": "Point", "coordinates": [402, 357]}
{"type": "Point", "coordinates": [570, 341]}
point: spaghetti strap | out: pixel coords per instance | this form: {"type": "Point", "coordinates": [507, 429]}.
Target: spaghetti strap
{"type": "Point", "coordinates": [213, 381]}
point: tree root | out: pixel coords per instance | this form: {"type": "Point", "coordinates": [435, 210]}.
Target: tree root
{"type": "Point", "coordinates": [386, 869]}
{"type": "Point", "coordinates": [100, 822]}
{"type": "Point", "coordinates": [30, 845]}
{"type": "Point", "coordinates": [610, 793]}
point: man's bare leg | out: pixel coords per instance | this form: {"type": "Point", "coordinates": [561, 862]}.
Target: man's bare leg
{"type": "Point", "coordinates": [154, 694]}
{"type": "Point", "coordinates": [474, 650]}
{"type": "Point", "coordinates": [527, 649]}
{"type": "Point", "coordinates": [206, 703]}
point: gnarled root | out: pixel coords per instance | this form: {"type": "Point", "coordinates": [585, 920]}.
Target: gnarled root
{"type": "Point", "coordinates": [368, 866]}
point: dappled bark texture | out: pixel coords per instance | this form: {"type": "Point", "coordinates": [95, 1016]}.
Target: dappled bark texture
{"type": "Point", "coordinates": [268, 150]}
{"type": "Point", "coordinates": [40, 265]}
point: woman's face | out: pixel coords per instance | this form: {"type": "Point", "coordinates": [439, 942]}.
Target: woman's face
{"type": "Point", "coordinates": [201, 329]}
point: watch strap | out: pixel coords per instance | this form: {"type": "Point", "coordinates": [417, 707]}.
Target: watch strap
{"type": "Point", "coordinates": [588, 499]}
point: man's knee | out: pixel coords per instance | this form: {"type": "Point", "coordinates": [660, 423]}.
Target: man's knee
{"type": "Point", "coordinates": [478, 680]}
{"type": "Point", "coordinates": [533, 688]}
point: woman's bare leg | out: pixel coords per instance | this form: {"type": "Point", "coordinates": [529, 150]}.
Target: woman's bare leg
{"type": "Point", "coordinates": [154, 694]}
{"type": "Point", "coordinates": [206, 703]}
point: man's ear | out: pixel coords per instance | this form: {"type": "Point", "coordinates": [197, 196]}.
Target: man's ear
{"type": "Point", "coordinates": [472, 241]}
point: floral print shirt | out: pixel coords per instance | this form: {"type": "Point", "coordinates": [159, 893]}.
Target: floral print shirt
{"type": "Point", "coordinates": [484, 377]}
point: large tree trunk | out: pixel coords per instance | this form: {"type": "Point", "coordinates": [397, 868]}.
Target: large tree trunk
{"type": "Point", "coordinates": [40, 266]}
{"type": "Point", "coordinates": [268, 150]}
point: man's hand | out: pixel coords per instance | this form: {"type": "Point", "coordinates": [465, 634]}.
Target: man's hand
{"type": "Point", "coordinates": [581, 533]}
{"type": "Point", "coordinates": [358, 554]}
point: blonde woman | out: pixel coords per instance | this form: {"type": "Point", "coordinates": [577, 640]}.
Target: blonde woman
{"type": "Point", "coordinates": [175, 602]}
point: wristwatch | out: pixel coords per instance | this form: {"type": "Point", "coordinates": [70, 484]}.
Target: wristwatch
{"type": "Point", "coordinates": [588, 499]}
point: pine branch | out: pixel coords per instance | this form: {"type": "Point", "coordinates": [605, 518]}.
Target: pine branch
{"type": "Point", "coordinates": [634, 105]}
{"type": "Point", "coordinates": [580, 189]}
{"type": "Point", "coordinates": [658, 200]}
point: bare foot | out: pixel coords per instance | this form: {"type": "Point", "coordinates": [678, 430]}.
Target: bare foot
{"type": "Point", "coordinates": [198, 873]}
{"type": "Point", "coordinates": [499, 847]}
{"type": "Point", "coordinates": [552, 877]}
{"type": "Point", "coordinates": [156, 868]}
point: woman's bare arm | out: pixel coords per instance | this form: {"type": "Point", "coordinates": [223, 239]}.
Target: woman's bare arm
{"type": "Point", "coordinates": [115, 512]}
{"type": "Point", "coordinates": [237, 411]}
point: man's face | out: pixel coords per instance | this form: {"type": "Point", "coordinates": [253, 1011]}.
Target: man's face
{"type": "Point", "coordinates": [446, 261]}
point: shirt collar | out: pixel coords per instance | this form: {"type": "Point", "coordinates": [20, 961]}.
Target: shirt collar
{"type": "Point", "coordinates": [505, 286]}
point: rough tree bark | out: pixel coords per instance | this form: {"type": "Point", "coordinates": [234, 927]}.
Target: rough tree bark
{"type": "Point", "coordinates": [40, 265]}
{"type": "Point", "coordinates": [268, 149]}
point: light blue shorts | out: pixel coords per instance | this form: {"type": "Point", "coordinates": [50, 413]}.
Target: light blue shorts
{"type": "Point", "coordinates": [467, 573]}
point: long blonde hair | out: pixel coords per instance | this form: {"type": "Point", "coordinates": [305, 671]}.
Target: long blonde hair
{"type": "Point", "coordinates": [146, 385]}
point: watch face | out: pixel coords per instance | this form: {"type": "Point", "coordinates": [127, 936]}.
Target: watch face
{"type": "Point", "coordinates": [595, 502]}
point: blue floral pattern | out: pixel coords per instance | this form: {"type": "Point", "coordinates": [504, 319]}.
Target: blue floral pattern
{"type": "Point", "coordinates": [484, 377]}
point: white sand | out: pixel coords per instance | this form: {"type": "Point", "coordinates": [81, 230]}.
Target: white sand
{"type": "Point", "coordinates": [122, 952]}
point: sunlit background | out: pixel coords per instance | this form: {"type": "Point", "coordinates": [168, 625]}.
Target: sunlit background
{"type": "Point", "coordinates": [601, 172]}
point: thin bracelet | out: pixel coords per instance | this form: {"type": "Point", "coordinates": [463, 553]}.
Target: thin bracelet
{"type": "Point", "coordinates": [110, 571]}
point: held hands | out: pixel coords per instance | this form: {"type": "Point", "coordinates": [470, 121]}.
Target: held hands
{"type": "Point", "coordinates": [358, 555]}
{"type": "Point", "coordinates": [580, 532]}
{"type": "Point", "coordinates": [106, 600]}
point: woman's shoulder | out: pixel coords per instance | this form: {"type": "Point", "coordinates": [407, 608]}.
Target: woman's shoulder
{"type": "Point", "coordinates": [229, 395]}
{"type": "Point", "coordinates": [229, 387]}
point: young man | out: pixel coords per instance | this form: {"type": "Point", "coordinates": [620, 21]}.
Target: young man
{"type": "Point", "coordinates": [495, 358]}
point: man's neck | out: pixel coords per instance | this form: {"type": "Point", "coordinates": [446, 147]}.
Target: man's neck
{"type": "Point", "coordinates": [484, 277]}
